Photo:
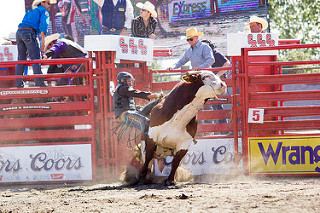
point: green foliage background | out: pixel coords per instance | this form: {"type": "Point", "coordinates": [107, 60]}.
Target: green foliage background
{"type": "Point", "coordinates": [296, 19]}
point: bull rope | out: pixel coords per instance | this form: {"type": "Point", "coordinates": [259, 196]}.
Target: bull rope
{"type": "Point", "coordinates": [124, 127]}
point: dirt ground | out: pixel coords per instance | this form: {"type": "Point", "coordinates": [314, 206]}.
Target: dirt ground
{"type": "Point", "coordinates": [223, 194]}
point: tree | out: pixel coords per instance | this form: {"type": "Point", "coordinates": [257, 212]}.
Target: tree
{"type": "Point", "coordinates": [297, 19]}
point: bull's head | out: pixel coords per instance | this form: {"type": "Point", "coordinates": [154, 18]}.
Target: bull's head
{"type": "Point", "coordinates": [207, 78]}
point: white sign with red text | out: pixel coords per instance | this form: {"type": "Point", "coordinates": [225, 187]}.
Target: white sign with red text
{"type": "Point", "coordinates": [208, 156]}
{"type": "Point", "coordinates": [45, 163]}
{"type": "Point", "coordinates": [8, 53]}
{"type": "Point", "coordinates": [126, 48]}
{"type": "Point", "coordinates": [236, 41]}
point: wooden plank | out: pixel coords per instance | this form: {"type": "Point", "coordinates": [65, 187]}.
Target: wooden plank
{"type": "Point", "coordinates": [213, 114]}
{"type": "Point", "coordinates": [225, 127]}
{"type": "Point", "coordinates": [285, 79]}
{"type": "Point", "coordinates": [285, 125]}
{"type": "Point", "coordinates": [45, 135]}
{"type": "Point", "coordinates": [284, 96]}
{"type": "Point", "coordinates": [45, 122]}
{"type": "Point", "coordinates": [49, 107]}
{"type": "Point", "coordinates": [291, 111]}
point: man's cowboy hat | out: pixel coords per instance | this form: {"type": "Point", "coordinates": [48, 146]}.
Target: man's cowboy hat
{"type": "Point", "coordinates": [36, 3]}
{"type": "Point", "coordinates": [50, 39]}
{"type": "Point", "coordinates": [262, 21]}
{"type": "Point", "coordinates": [148, 6]}
{"type": "Point", "coordinates": [191, 32]}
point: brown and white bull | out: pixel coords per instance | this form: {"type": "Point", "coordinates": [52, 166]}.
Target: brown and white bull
{"type": "Point", "coordinates": [173, 124]}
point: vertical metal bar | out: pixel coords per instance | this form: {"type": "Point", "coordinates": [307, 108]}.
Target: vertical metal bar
{"type": "Point", "coordinates": [235, 113]}
{"type": "Point", "coordinates": [90, 97]}
{"type": "Point", "coordinates": [246, 104]}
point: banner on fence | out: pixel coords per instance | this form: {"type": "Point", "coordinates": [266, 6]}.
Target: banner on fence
{"type": "Point", "coordinates": [284, 155]}
{"type": "Point", "coordinates": [45, 163]}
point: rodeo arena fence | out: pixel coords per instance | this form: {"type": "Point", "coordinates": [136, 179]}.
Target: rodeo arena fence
{"type": "Point", "coordinates": [268, 125]}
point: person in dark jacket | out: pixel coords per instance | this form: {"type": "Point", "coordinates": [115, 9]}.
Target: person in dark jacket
{"type": "Point", "coordinates": [144, 25]}
{"type": "Point", "coordinates": [124, 105]}
{"type": "Point", "coordinates": [116, 16]}
{"type": "Point", "coordinates": [62, 48]}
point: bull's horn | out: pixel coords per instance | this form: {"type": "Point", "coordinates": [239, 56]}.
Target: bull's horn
{"type": "Point", "coordinates": [192, 73]}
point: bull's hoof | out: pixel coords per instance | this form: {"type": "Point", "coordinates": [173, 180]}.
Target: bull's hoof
{"type": "Point", "coordinates": [134, 182]}
{"type": "Point", "coordinates": [169, 183]}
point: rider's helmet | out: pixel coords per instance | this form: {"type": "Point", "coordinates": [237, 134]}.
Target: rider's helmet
{"type": "Point", "coordinates": [125, 78]}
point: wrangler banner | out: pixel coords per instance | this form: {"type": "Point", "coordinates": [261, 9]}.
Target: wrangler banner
{"type": "Point", "coordinates": [284, 155]}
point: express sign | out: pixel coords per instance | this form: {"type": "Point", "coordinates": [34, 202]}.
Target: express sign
{"type": "Point", "coordinates": [188, 9]}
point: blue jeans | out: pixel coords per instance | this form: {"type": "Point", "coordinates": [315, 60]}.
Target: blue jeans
{"type": "Point", "coordinates": [27, 42]}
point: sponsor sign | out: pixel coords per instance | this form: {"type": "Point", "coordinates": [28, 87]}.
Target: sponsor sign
{"type": "Point", "coordinates": [284, 155]}
{"type": "Point", "coordinates": [208, 156]}
{"type": "Point", "coordinates": [8, 53]}
{"type": "Point", "coordinates": [24, 107]}
{"type": "Point", "coordinates": [126, 48]}
{"type": "Point", "coordinates": [182, 10]}
{"type": "Point", "coordinates": [236, 41]}
{"type": "Point", "coordinates": [45, 163]}
{"type": "Point", "coordinates": [24, 92]}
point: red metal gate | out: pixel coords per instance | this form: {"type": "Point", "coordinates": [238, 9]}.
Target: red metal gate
{"type": "Point", "coordinates": [286, 112]}
{"type": "Point", "coordinates": [38, 116]}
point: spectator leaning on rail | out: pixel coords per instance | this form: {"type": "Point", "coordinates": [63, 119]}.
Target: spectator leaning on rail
{"type": "Point", "coordinates": [144, 25]}
{"type": "Point", "coordinates": [34, 22]}
{"type": "Point", "coordinates": [62, 48]}
{"type": "Point", "coordinates": [124, 105]}
{"type": "Point", "coordinates": [117, 16]}
{"type": "Point", "coordinates": [220, 61]}
{"type": "Point", "coordinates": [257, 25]}
{"type": "Point", "coordinates": [199, 54]}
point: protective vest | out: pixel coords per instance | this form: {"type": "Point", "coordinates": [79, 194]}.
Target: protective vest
{"type": "Point", "coordinates": [121, 103]}
{"type": "Point", "coordinates": [73, 50]}
{"type": "Point", "coordinates": [113, 16]}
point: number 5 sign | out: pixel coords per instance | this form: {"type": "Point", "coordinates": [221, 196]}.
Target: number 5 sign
{"type": "Point", "coordinates": [255, 115]}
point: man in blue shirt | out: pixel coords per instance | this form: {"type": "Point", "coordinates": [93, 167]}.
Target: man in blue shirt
{"type": "Point", "coordinates": [199, 54]}
{"type": "Point", "coordinates": [34, 22]}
